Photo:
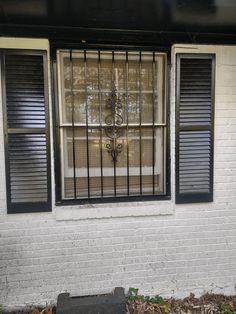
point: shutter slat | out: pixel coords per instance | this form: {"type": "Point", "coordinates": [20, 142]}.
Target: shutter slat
{"type": "Point", "coordinates": [27, 152]}
{"type": "Point", "coordinates": [194, 135]}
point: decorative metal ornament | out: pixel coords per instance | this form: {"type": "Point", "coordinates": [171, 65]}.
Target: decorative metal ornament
{"type": "Point", "coordinates": [114, 121]}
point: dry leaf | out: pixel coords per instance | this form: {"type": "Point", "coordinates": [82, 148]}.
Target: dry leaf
{"type": "Point", "coordinates": [35, 311]}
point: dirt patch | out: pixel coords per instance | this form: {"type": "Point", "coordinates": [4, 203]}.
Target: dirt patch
{"type": "Point", "coordinates": [206, 304]}
{"type": "Point", "coordinates": [34, 310]}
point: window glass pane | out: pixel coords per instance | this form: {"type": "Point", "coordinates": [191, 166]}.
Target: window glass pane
{"type": "Point", "coordinates": [147, 75]}
{"type": "Point", "coordinates": [133, 75]}
{"type": "Point", "coordinates": [77, 75]}
{"type": "Point", "coordinates": [66, 71]}
{"type": "Point", "coordinates": [120, 73]}
{"type": "Point", "coordinates": [140, 108]}
{"type": "Point", "coordinates": [105, 71]}
{"type": "Point", "coordinates": [91, 74]}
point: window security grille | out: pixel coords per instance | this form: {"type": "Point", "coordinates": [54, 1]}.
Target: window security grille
{"type": "Point", "coordinates": [112, 123]}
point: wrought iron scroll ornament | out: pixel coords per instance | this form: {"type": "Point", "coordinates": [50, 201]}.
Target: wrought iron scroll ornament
{"type": "Point", "coordinates": [114, 121]}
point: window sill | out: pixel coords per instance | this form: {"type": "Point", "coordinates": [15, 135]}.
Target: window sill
{"type": "Point", "coordinates": [115, 210]}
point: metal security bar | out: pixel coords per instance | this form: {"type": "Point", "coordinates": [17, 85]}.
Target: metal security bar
{"type": "Point", "coordinates": [112, 123]}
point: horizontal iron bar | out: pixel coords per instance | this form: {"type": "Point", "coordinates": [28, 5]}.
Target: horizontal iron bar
{"type": "Point", "coordinates": [106, 126]}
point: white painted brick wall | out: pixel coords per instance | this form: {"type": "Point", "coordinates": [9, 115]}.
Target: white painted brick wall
{"type": "Point", "coordinates": [159, 247]}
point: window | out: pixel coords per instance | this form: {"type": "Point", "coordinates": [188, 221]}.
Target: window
{"type": "Point", "coordinates": [26, 130]}
{"type": "Point", "coordinates": [112, 117]}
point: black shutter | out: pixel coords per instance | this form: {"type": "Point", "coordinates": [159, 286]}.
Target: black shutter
{"type": "Point", "coordinates": [194, 127]}
{"type": "Point", "coordinates": [27, 150]}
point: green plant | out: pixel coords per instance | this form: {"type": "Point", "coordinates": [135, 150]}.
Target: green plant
{"type": "Point", "coordinates": [226, 309]}
{"type": "Point", "coordinates": [141, 304]}
{"type": "Point", "coordinates": [133, 294]}
{"type": "Point", "coordinates": [157, 299]}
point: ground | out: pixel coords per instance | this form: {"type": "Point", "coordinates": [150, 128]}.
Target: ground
{"type": "Point", "coordinates": [139, 304]}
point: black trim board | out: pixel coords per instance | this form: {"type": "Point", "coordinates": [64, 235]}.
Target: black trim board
{"type": "Point", "coordinates": [116, 36]}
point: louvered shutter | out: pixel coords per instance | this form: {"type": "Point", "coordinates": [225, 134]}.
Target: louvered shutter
{"type": "Point", "coordinates": [26, 131]}
{"type": "Point", "coordinates": [194, 127]}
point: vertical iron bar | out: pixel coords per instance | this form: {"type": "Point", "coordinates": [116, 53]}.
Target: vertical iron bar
{"type": "Point", "coordinates": [140, 122]}
{"type": "Point", "coordinates": [72, 120]}
{"type": "Point", "coordinates": [114, 117]}
{"type": "Point", "coordinates": [100, 118]}
{"type": "Point", "coordinates": [86, 112]}
{"type": "Point", "coordinates": [153, 121]}
{"type": "Point", "coordinates": [127, 115]}
{"type": "Point", "coordinates": [163, 91]}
